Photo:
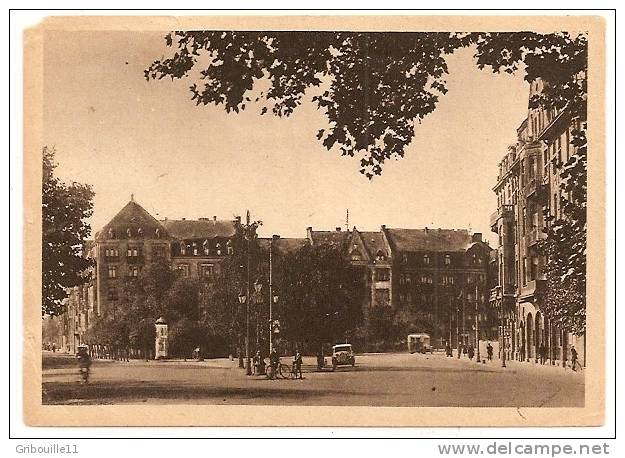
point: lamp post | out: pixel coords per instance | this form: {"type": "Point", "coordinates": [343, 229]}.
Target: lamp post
{"type": "Point", "coordinates": [248, 365]}
{"type": "Point", "coordinates": [477, 323]}
{"type": "Point", "coordinates": [258, 286]}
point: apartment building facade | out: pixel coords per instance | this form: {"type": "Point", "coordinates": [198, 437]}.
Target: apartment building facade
{"type": "Point", "coordinates": [528, 190]}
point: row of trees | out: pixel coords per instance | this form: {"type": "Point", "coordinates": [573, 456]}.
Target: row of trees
{"type": "Point", "coordinates": [320, 300]}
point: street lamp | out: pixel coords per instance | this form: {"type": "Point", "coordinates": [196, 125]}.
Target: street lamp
{"type": "Point", "coordinates": [273, 300]}
{"type": "Point", "coordinates": [248, 362]}
{"type": "Point", "coordinates": [258, 286]}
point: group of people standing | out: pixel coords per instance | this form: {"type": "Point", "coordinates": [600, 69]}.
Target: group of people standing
{"type": "Point", "coordinates": [274, 362]}
{"type": "Point", "coordinates": [470, 351]}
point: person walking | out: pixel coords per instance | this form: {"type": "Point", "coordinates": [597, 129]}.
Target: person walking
{"type": "Point", "coordinates": [542, 350]}
{"type": "Point", "coordinates": [574, 362]}
{"type": "Point", "coordinates": [489, 351]}
{"type": "Point", "coordinates": [297, 364]}
{"type": "Point", "coordinates": [471, 352]}
{"type": "Point", "coordinates": [448, 350]}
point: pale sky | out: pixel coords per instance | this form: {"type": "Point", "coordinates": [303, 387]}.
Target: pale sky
{"type": "Point", "coordinates": [121, 134]}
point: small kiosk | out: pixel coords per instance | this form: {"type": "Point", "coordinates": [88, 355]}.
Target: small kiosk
{"type": "Point", "coordinates": [161, 339]}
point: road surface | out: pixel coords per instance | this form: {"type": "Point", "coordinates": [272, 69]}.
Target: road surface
{"type": "Point", "coordinates": [377, 380]}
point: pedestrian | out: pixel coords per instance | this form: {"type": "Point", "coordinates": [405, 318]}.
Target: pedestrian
{"type": "Point", "coordinates": [53, 347]}
{"type": "Point", "coordinates": [471, 352]}
{"type": "Point", "coordinates": [259, 363]}
{"type": "Point", "coordinates": [489, 351]}
{"type": "Point", "coordinates": [542, 350]}
{"type": "Point", "coordinates": [84, 362]}
{"type": "Point", "coordinates": [574, 358]}
{"type": "Point", "coordinates": [297, 364]}
{"type": "Point", "coordinates": [448, 350]}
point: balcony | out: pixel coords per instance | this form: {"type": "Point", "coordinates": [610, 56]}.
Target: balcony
{"type": "Point", "coordinates": [533, 287]}
{"type": "Point", "coordinates": [535, 188]}
{"type": "Point", "coordinates": [505, 211]}
{"type": "Point", "coordinates": [498, 293]}
{"type": "Point", "coordinates": [534, 236]}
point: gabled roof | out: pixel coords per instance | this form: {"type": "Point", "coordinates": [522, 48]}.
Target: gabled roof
{"type": "Point", "coordinates": [183, 229]}
{"type": "Point", "coordinates": [412, 240]}
{"type": "Point", "coordinates": [133, 216]}
{"type": "Point", "coordinates": [374, 242]}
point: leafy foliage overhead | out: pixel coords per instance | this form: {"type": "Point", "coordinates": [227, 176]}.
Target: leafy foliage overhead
{"type": "Point", "coordinates": [65, 208]}
{"type": "Point", "coordinates": [372, 86]}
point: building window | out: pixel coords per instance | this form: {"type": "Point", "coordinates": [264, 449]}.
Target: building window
{"type": "Point", "coordinates": [183, 269]}
{"type": "Point", "coordinates": [132, 252]}
{"type": "Point", "coordinates": [133, 271]}
{"type": "Point", "coordinates": [158, 251]}
{"type": "Point", "coordinates": [207, 270]}
{"type": "Point", "coordinates": [195, 252]}
{"type": "Point", "coordinates": [382, 274]}
{"type": "Point", "coordinates": [426, 259]}
{"type": "Point", "coordinates": [447, 279]}
{"type": "Point", "coordinates": [447, 260]}
{"type": "Point", "coordinates": [524, 273]}
{"type": "Point", "coordinates": [229, 248]}
{"type": "Point", "coordinates": [426, 279]}
{"type": "Point", "coordinates": [183, 249]}
{"type": "Point", "coordinates": [408, 278]}
{"type": "Point", "coordinates": [402, 279]}
{"type": "Point", "coordinates": [112, 271]}
{"type": "Point", "coordinates": [404, 258]}
{"type": "Point", "coordinates": [111, 252]}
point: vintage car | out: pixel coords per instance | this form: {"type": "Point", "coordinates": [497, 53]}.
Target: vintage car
{"type": "Point", "coordinates": [343, 355]}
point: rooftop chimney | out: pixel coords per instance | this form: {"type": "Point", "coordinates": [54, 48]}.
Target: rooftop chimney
{"type": "Point", "coordinates": [214, 218]}
{"type": "Point", "coordinates": [338, 229]}
{"type": "Point", "coordinates": [309, 233]}
{"type": "Point", "coordinates": [477, 237]}
{"type": "Point", "coordinates": [275, 236]}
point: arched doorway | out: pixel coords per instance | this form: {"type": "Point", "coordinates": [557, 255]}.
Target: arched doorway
{"type": "Point", "coordinates": [529, 337]}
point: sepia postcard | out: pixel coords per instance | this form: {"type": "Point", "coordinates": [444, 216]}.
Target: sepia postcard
{"type": "Point", "coordinates": [314, 221]}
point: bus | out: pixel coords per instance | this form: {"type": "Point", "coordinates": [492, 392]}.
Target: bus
{"type": "Point", "coordinates": [419, 343]}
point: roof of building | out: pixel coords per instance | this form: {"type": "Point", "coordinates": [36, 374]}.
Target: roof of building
{"type": "Point", "coordinates": [374, 242]}
{"type": "Point", "coordinates": [429, 239]}
{"type": "Point", "coordinates": [184, 229]}
{"type": "Point", "coordinates": [133, 216]}
{"type": "Point", "coordinates": [334, 238]}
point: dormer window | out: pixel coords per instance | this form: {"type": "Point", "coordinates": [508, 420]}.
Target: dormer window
{"type": "Point", "coordinates": [447, 260]}
{"type": "Point", "coordinates": [218, 247]}
{"type": "Point", "coordinates": [129, 232]}
{"type": "Point", "coordinates": [426, 259]}
{"type": "Point", "coordinates": [183, 249]}
{"type": "Point", "coordinates": [140, 232]}
{"type": "Point", "coordinates": [229, 247]}
{"type": "Point", "coordinates": [194, 249]}
{"type": "Point", "coordinates": [205, 247]}
{"type": "Point", "coordinates": [157, 233]}
{"type": "Point", "coordinates": [111, 234]}
{"type": "Point", "coordinates": [380, 256]}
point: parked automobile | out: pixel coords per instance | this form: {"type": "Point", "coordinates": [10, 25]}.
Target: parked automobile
{"type": "Point", "coordinates": [343, 355]}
